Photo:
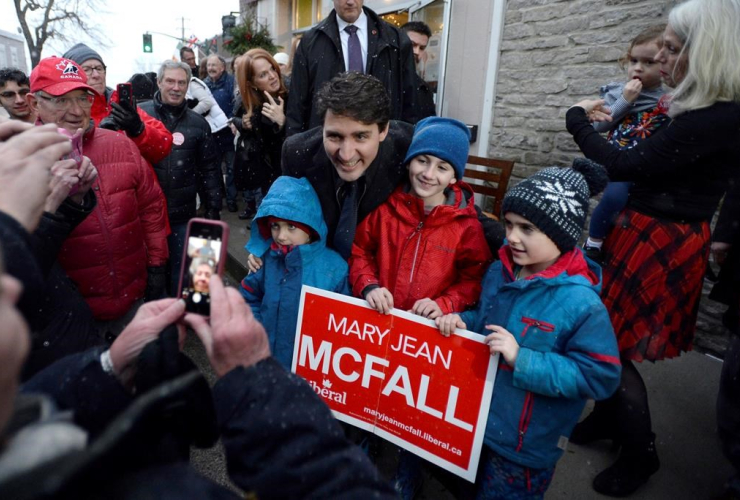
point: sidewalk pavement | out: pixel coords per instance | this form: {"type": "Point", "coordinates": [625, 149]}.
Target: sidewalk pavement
{"type": "Point", "coordinates": [682, 394]}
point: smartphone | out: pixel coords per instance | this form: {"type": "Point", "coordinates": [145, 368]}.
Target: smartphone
{"type": "Point", "coordinates": [204, 254]}
{"type": "Point", "coordinates": [126, 94]}
{"type": "Point", "coordinates": [75, 154]}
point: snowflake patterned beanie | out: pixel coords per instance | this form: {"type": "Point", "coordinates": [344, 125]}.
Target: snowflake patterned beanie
{"type": "Point", "coordinates": [556, 200]}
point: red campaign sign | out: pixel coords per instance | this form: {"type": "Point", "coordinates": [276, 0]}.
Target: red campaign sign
{"type": "Point", "coordinates": [396, 376]}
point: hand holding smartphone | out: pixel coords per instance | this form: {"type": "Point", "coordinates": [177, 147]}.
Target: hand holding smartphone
{"type": "Point", "coordinates": [126, 95]}
{"type": "Point", "coordinates": [204, 255]}
{"type": "Point", "coordinates": [75, 154]}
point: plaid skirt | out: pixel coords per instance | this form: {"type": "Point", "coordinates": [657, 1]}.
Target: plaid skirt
{"type": "Point", "coordinates": [653, 275]}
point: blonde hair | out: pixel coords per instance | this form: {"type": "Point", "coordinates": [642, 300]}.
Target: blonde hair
{"type": "Point", "coordinates": [710, 31]}
{"type": "Point", "coordinates": [245, 74]}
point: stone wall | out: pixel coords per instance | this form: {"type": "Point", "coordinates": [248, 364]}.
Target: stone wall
{"type": "Point", "coordinates": [553, 54]}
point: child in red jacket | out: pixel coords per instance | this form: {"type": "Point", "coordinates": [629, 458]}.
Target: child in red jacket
{"type": "Point", "coordinates": [423, 250]}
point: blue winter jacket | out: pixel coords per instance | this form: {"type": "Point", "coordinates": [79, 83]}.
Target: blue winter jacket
{"type": "Point", "coordinates": [567, 354]}
{"type": "Point", "coordinates": [274, 292]}
{"type": "Point", "coordinates": [223, 91]}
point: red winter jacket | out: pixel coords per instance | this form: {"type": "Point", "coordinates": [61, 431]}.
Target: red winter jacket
{"type": "Point", "coordinates": [154, 143]}
{"type": "Point", "coordinates": [108, 253]}
{"type": "Point", "coordinates": [442, 256]}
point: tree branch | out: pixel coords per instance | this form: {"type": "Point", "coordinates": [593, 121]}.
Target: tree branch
{"type": "Point", "coordinates": [59, 16]}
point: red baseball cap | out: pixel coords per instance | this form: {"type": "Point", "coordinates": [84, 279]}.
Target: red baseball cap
{"type": "Point", "coordinates": [57, 76]}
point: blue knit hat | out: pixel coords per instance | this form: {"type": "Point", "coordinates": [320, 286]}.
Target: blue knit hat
{"type": "Point", "coordinates": [444, 138]}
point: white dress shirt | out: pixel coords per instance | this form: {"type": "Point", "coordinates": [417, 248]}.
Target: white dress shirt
{"type": "Point", "coordinates": [361, 24]}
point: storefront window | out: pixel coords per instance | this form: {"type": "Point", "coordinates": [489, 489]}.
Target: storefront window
{"type": "Point", "coordinates": [430, 65]}
{"type": "Point", "coordinates": [396, 19]}
{"type": "Point", "coordinates": [306, 13]}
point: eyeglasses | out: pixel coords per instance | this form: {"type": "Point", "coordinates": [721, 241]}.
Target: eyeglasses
{"type": "Point", "coordinates": [84, 101]}
{"type": "Point", "coordinates": [90, 69]}
{"type": "Point", "coordinates": [9, 94]}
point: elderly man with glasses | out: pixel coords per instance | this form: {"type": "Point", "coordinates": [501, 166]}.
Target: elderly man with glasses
{"type": "Point", "coordinates": [150, 135]}
{"type": "Point", "coordinates": [117, 255]}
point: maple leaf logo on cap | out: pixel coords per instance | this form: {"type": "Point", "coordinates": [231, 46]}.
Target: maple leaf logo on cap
{"type": "Point", "coordinates": [67, 67]}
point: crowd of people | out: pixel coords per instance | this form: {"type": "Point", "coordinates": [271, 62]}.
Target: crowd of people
{"type": "Point", "coordinates": [352, 185]}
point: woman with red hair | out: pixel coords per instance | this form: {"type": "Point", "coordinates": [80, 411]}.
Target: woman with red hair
{"type": "Point", "coordinates": [260, 121]}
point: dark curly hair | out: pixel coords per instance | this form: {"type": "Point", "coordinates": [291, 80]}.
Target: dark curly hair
{"type": "Point", "coordinates": [13, 75]}
{"type": "Point", "coordinates": [418, 27]}
{"type": "Point", "coordinates": [354, 95]}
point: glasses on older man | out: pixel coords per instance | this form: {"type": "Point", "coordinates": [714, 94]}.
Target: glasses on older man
{"type": "Point", "coordinates": [84, 101]}
{"type": "Point", "coordinates": [90, 69]}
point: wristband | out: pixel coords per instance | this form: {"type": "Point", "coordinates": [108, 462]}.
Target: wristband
{"type": "Point", "coordinates": [107, 364]}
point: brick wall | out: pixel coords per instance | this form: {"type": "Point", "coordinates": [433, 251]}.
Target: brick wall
{"type": "Point", "coordinates": [553, 54]}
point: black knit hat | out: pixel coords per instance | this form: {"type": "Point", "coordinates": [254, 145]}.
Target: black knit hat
{"type": "Point", "coordinates": [142, 87]}
{"type": "Point", "coordinates": [556, 200]}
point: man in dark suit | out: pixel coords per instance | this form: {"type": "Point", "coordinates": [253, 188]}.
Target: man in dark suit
{"type": "Point", "coordinates": [351, 38]}
{"type": "Point", "coordinates": [357, 155]}
{"type": "Point", "coordinates": [419, 33]}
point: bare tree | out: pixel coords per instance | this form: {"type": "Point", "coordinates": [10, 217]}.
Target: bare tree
{"type": "Point", "coordinates": [43, 20]}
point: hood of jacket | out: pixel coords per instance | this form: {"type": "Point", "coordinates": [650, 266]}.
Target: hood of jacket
{"type": "Point", "coordinates": [572, 267]}
{"type": "Point", "coordinates": [290, 199]}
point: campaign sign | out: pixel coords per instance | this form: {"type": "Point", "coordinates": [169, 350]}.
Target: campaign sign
{"type": "Point", "coordinates": [395, 375]}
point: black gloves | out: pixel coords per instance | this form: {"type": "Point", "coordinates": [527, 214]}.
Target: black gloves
{"type": "Point", "coordinates": [109, 123]}
{"type": "Point", "coordinates": [213, 214]}
{"type": "Point", "coordinates": [156, 283]}
{"type": "Point", "coordinates": [126, 119]}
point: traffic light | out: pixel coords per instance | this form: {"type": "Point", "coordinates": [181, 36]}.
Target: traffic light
{"type": "Point", "coordinates": [148, 43]}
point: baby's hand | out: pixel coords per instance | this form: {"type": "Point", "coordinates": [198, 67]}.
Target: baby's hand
{"type": "Point", "coordinates": [380, 299]}
{"type": "Point", "coordinates": [448, 323]}
{"type": "Point", "coordinates": [632, 90]}
{"type": "Point", "coordinates": [503, 342]}
{"type": "Point", "coordinates": [427, 308]}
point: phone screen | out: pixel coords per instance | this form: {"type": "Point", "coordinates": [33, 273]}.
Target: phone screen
{"type": "Point", "coordinates": [201, 260]}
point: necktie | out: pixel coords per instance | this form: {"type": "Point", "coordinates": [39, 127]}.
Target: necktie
{"type": "Point", "coordinates": [345, 234]}
{"type": "Point", "coordinates": [354, 49]}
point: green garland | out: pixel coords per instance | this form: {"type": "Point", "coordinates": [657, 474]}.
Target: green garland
{"type": "Point", "coordinates": [251, 34]}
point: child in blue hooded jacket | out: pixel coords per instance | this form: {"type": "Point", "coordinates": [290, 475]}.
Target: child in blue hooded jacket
{"type": "Point", "coordinates": [541, 311]}
{"type": "Point", "coordinates": [291, 241]}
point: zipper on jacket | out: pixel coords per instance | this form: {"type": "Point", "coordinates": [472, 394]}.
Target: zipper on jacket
{"type": "Point", "coordinates": [416, 251]}
{"type": "Point", "coordinates": [524, 419]}
{"type": "Point", "coordinates": [545, 327]}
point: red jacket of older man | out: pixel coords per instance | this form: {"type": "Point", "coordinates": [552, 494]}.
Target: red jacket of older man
{"type": "Point", "coordinates": [108, 253]}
